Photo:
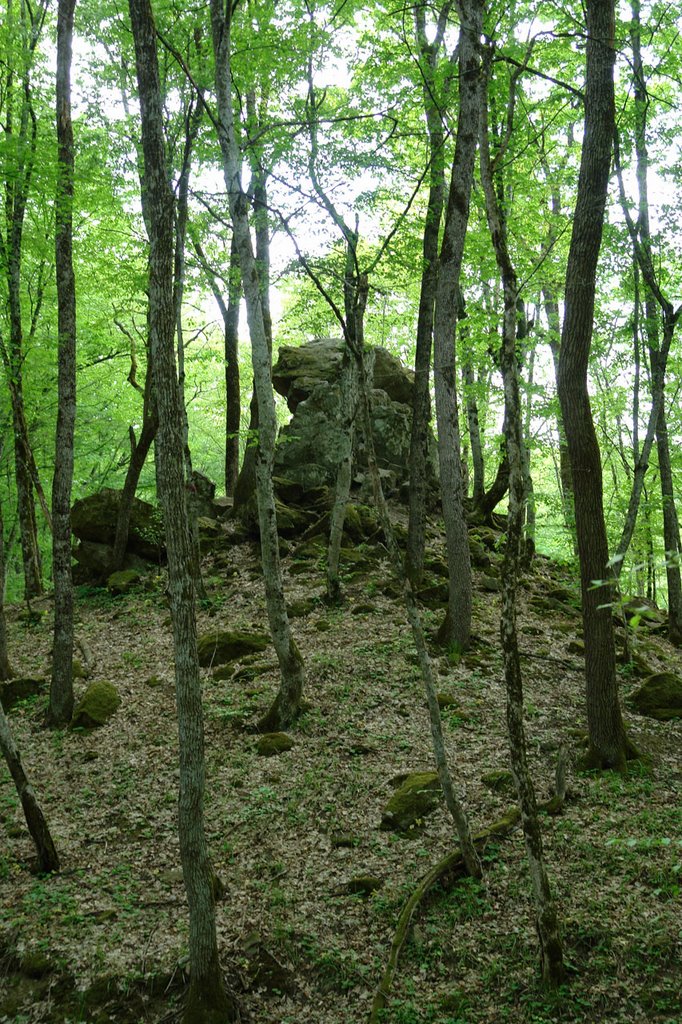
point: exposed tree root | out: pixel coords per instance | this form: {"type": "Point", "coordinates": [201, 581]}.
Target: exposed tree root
{"type": "Point", "coordinates": [453, 864]}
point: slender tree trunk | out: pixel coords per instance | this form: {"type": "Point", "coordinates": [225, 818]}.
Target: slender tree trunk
{"type": "Point", "coordinates": [421, 402]}
{"type": "Point", "coordinates": [349, 405]}
{"type": "Point", "coordinates": [232, 389]}
{"type": "Point", "coordinates": [48, 859]}
{"type": "Point", "coordinates": [139, 450]}
{"type": "Point", "coordinates": [565, 479]}
{"type": "Point", "coordinates": [230, 313]}
{"type": "Point", "coordinates": [61, 688]}
{"type": "Point", "coordinates": [474, 429]}
{"type": "Point", "coordinates": [208, 1001]}
{"type": "Point", "coordinates": [5, 668]}
{"type": "Point", "coordinates": [671, 532]}
{"type": "Point", "coordinates": [287, 703]}
{"type": "Point", "coordinates": [607, 740]}
{"type": "Point", "coordinates": [452, 802]}
{"type": "Point", "coordinates": [456, 629]}
{"type": "Point", "coordinates": [546, 919]}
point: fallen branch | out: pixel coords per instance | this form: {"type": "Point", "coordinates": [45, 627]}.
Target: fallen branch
{"type": "Point", "coordinates": [451, 863]}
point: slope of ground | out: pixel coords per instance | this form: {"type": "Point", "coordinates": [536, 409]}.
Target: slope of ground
{"type": "Point", "coordinates": [106, 939]}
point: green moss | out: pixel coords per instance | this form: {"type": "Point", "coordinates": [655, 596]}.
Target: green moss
{"type": "Point", "coordinates": [124, 581]}
{"type": "Point", "coordinates": [363, 885]}
{"type": "Point", "coordinates": [499, 781]}
{"type": "Point", "coordinates": [273, 743]}
{"type": "Point", "coordinates": [99, 702]}
{"type": "Point", "coordinates": [659, 697]}
{"type": "Point", "coordinates": [219, 647]}
{"type": "Point", "coordinates": [418, 795]}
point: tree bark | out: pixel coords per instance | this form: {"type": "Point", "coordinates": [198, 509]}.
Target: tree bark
{"type": "Point", "coordinates": [5, 668]}
{"type": "Point", "coordinates": [421, 402]}
{"type": "Point", "coordinates": [456, 628]}
{"type": "Point", "coordinates": [607, 740]}
{"type": "Point", "coordinates": [61, 688]}
{"type": "Point", "coordinates": [286, 706]}
{"type": "Point", "coordinates": [48, 860]}
{"type": "Point", "coordinates": [551, 953]}
{"type": "Point", "coordinates": [208, 1001]}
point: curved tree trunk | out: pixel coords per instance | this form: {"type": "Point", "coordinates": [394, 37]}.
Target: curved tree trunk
{"type": "Point", "coordinates": [5, 668]}
{"type": "Point", "coordinates": [208, 1001]}
{"type": "Point", "coordinates": [61, 688]}
{"type": "Point", "coordinates": [607, 740]}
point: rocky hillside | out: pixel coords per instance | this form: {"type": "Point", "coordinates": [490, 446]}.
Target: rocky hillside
{"type": "Point", "coordinates": [315, 853]}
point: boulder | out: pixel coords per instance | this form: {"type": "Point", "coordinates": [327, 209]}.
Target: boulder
{"type": "Point", "coordinates": [93, 519]}
{"type": "Point", "coordinates": [272, 743]}
{"type": "Point", "coordinates": [309, 446]}
{"type": "Point", "coordinates": [219, 647]}
{"type": "Point", "coordinates": [659, 697]}
{"type": "Point", "coordinates": [418, 795]}
{"type": "Point", "coordinates": [124, 581]}
{"type": "Point", "coordinates": [99, 702]}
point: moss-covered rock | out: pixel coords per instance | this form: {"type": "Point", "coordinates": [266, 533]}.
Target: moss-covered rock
{"type": "Point", "coordinates": [93, 518]}
{"type": "Point", "coordinates": [221, 646]}
{"type": "Point", "coordinates": [418, 795]}
{"type": "Point", "coordinates": [124, 581]}
{"type": "Point", "coordinates": [273, 743]}
{"type": "Point", "coordinates": [99, 702]}
{"type": "Point", "coordinates": [300, 608]}
{"type": "Point", "coordinates": [363, 885]}
{"type": "Point", "coordinates": [659, 697]}
{"type": "Point", "coordinates": [499, 781]}
{"type": "Point", "coordinates": [15, 690]}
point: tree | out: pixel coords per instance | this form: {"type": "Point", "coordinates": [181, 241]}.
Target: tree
{"type": "Point", "coordinates": [21, 127]}
{"type": "Point", "coordinates": [61, 689]}
{"type": "Point", "coordinates": [607, 741]}
{"type": "Point", "coordinates": [208, 1001]}
{"type": "Point", "coordinates": [456, 628]}
{"type": "Point", "coordinates": [288, 701]}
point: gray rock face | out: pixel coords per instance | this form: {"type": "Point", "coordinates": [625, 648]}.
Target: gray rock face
{"type": "Point", "coordinates": [309, 447]}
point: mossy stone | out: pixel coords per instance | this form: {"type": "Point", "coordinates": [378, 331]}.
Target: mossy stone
{"type": "Point", "coordinates": [323, 625]}
{"type": "Point", "coordinates": [299, 609]}
{"type": "Point", "coordinates": [418, 795]}
{"type": "Point", "coordinates": [447, 701]}
{"type": "Point", "coordinates": [219, 647]}
{"type": "Point", "coordinates": [364, 608]}
{"type": "Point", "coordinates": [99, 702]}
{"type": "Point", "coordinates": [124, 581]}
{"type": "Point", "coordinates": [363, 885]}
{"type": "Point", "coordinates": [273, 743]}
{"type": "Point", "coordinates": [659, 697]}
{"type": "Point", "coordinates": [499, 781]}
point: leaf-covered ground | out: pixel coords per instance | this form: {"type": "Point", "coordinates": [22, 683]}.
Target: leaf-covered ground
{"type": "Point", "coordinates": [106, 939]}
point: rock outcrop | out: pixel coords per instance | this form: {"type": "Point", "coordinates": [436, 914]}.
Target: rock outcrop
{"type": "Point", "coordinates": [309, 447]}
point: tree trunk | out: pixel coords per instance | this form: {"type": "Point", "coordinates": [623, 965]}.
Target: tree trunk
{"type": "Point", "coordinates": [5, 668]}
{"type": "Point", "coordinates": [349, 405]}
{"type": "Point", "coordinates": [421, 401]}
{"type": "Point", "coordinates": [48, 859]}
{"type": "Point", "coordinates": [208, 1001]}
{"type": "Point", "coordinates": [607, 740]}
{"type": "Point", "coordinates": [139, 450]}
{"type": "Point", "coordinates": [671, 532]}
{"type": "Point", "coordinates": [474, 428]}
{"type": "Point", "coordinates": [61, 688]}
{"type": "Point", "coordinates": [456, 629]}
{"type": "Point", "coordinates": [287, 703]}
{"type": "Point", "coordinates": [546, 919]}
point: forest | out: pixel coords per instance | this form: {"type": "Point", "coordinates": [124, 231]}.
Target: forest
{"type": "Point", "coordinates": [340, 595]}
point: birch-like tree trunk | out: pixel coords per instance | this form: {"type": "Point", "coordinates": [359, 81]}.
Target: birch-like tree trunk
{"type": "Point", "coordinates": [286, 706]}
{"type": "Point", "coordinates": [61, 687]}
{"type": "Point", "coordinates": [208, 1001]}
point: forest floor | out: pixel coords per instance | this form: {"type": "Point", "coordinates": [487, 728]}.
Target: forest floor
{"type": "Point", "coordinates": [106, 939]}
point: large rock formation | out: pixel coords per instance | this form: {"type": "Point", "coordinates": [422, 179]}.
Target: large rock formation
{"type": "Point", "coordinates": [93, 522]}
{"type": "Point", "coordinates": [308, 448]}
